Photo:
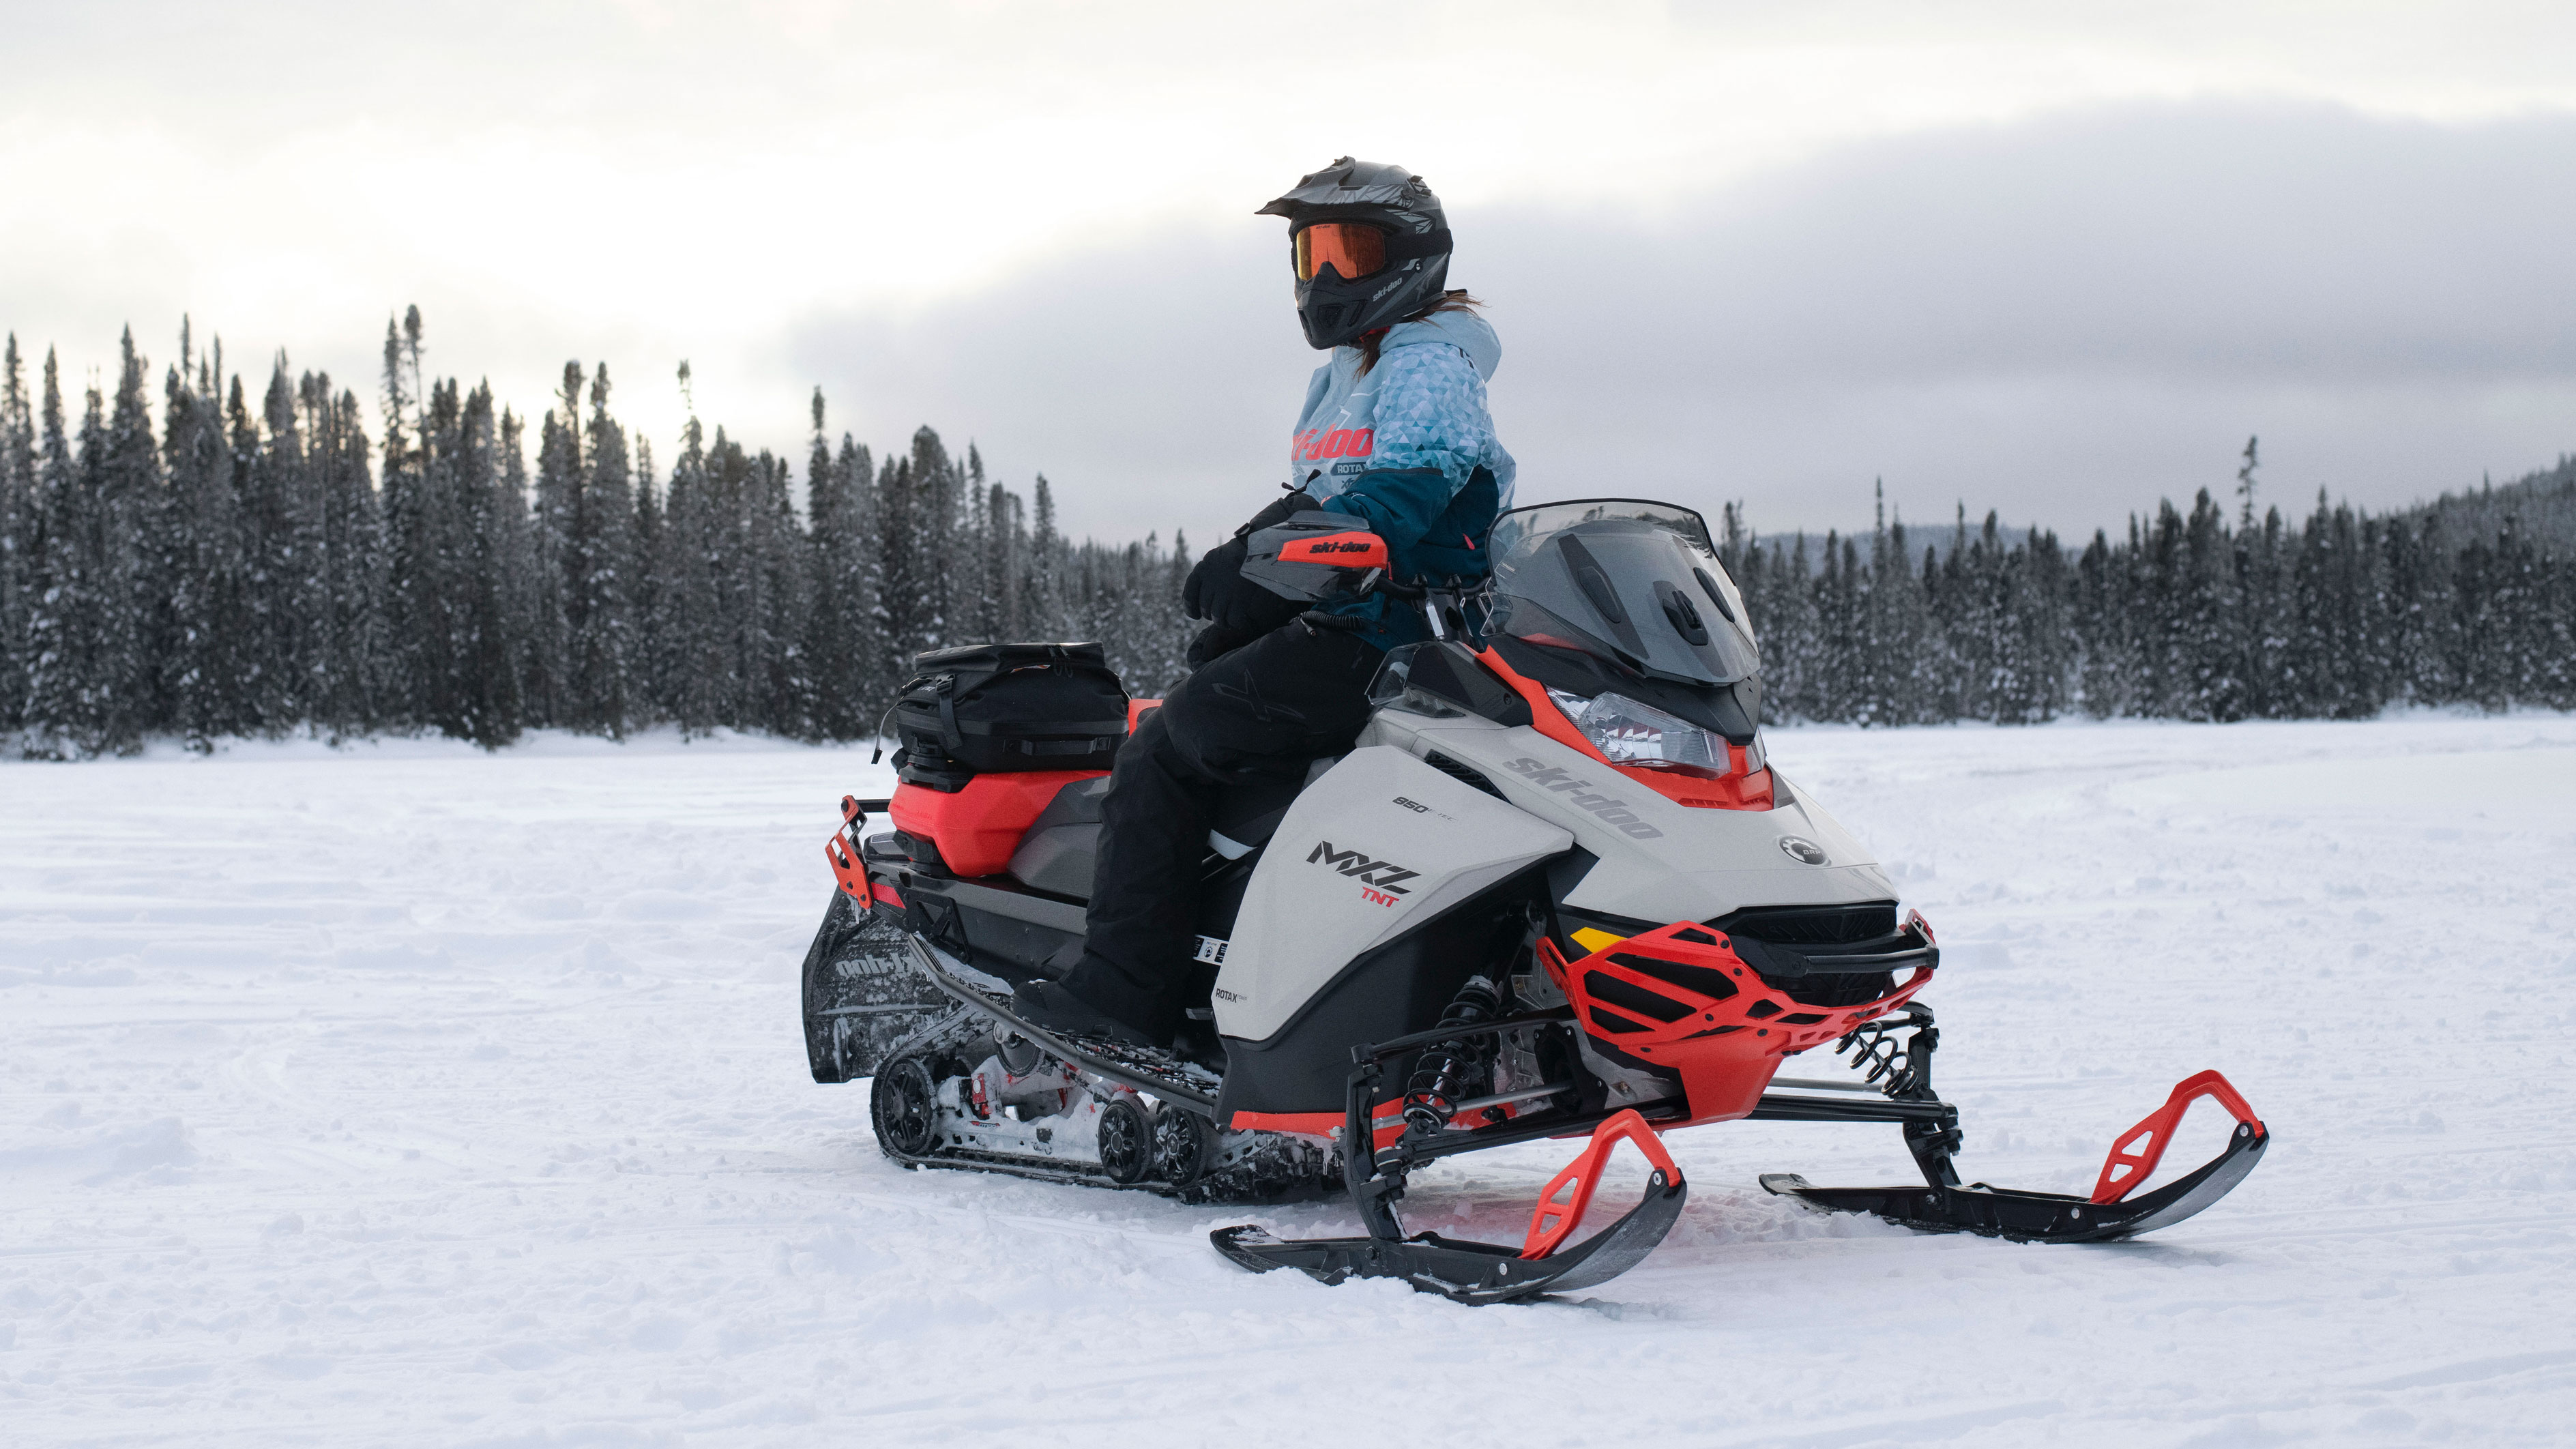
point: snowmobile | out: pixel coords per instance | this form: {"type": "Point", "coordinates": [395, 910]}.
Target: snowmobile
{"type": "Point", "coordinates": [1555, 890]}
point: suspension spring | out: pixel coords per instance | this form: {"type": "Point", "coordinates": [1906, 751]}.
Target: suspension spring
{"type": "Point", "coordinates": [1448, 1073]}
{"type": "Point", "coordinates": [1905, 1063]}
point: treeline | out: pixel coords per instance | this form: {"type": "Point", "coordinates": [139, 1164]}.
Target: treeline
{"type": "Point", "coordinates": [231, 570]}
{"type": "Point", "coordinates": [2470, 600]}
{"type": "Point", "coordinates": [242, 569]}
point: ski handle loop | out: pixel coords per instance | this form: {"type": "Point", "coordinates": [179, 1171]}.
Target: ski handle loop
{"type": "Point", "coordinates": [2132, 1163]}
{"type": "Point", "coordinates": [1553, 1221]}
{"type": "Point", "coordinates": [841, 849]}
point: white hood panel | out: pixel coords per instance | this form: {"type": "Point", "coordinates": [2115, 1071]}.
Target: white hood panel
{"type": "Point", "coordinates": [1377, 845]}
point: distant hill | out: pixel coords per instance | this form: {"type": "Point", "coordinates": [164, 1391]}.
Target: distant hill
{"type": "Point", "coordinates": [2542, 502]}
{"type": "Point", "coordinates": [2542, 505]}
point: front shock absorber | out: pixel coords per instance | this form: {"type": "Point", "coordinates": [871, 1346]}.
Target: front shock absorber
{"type": "Point", "coordinates": [1451, 1072]}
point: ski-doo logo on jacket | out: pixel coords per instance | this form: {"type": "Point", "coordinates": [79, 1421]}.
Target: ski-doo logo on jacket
{"type": "Point", "coordinates": [1379, 874]}
{"type": "Point", "coordinates": [1318, 443]}
{"type": "Point", "coordinates": [1613, 812]}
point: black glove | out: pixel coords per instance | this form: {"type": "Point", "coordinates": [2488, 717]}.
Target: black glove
{"type": "Point", "coordinates": [1250, 610]}
{"type": "Point", "coordinates": [1215, 640]}
{"type": "Point", "coordinates": [1219, 570]}
{"type": "Point", "coordinates": [1218, 577]}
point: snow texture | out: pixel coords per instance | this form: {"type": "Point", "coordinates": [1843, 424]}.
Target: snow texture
{"type": "Point", "coordinates": [410, 1095]}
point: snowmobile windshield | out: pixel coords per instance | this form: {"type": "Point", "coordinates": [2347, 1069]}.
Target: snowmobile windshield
{"type": "Point", "coordinates": [1626, 580]}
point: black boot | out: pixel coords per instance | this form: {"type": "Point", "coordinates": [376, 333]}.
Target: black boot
{"type": "Point", "coordinates": [1050, 1005]}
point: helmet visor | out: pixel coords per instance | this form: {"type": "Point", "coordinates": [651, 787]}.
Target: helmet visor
{"type": "Point", "coordinates": [1353, 249]}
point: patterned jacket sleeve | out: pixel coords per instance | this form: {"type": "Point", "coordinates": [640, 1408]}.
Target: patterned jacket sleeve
{"type": "Point", "coordinates": [1432, 432]}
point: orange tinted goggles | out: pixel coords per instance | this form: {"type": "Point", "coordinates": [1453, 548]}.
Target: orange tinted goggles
{"type": "Point", "coordinates": [1354, 249]}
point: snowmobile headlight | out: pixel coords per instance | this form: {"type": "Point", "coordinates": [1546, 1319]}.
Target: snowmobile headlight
{"type": "Point", "coordinates": [1629, 733]}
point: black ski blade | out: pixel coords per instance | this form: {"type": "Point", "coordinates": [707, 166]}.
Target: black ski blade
{"type": "Point", "coordinates": [2039, 1217]}
{"type": "Point", "coordinates": [1466, 1272]}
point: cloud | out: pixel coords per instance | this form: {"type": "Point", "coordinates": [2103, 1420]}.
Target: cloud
{"type": "Point", "coordinates": [2063, 317]}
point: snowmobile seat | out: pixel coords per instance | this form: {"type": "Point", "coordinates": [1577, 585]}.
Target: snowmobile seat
{"type": "Point", "coordinates": [1248, 813]}
{"type": "Point", "coordinates": [1061, 844]}
{"type": "Point", "coordinates": [995, 923]}
{"type": "Point", "coordinates": [1058, 853]}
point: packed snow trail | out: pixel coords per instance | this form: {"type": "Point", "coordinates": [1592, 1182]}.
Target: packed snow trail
{"type": "Point", "coordinates": [409, 1095]}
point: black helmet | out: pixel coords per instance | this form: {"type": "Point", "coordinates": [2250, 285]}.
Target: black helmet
{"type": "Point", "coordinates": [1411, 263]}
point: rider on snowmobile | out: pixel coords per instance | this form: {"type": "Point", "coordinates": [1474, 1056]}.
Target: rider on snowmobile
{"type": "Point", "coordinates": [1394, 434]}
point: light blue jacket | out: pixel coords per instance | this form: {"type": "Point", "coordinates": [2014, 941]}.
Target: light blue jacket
{"type": "Point", "coordinates": [1411, 449]}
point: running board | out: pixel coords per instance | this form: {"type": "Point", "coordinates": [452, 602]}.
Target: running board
{"type": "Point", "coordinates": [1144, 1069]}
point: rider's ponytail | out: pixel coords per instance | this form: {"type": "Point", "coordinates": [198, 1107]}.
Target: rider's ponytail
{"type": "Point", "coordinates": [1453, 300]}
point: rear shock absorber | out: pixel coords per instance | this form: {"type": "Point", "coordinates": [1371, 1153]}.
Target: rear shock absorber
{"type": "Point", "coordinates": [1451, 1072]}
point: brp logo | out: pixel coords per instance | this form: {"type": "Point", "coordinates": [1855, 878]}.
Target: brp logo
{"type": "Point", "coordinates": [1802, 850]}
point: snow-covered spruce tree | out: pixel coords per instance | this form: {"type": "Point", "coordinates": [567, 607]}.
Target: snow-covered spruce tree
{"type": "Point", "coordinates": [932, 520]}
{"type": "Point", "coordinates": [2212, 618]}
{"type": "Point", "coordinates": [122, 462]}
{"type": "Point", "coordinates": [644, 587]}
{"type": "Point", "coordinates": [1894, 632]}
{"type": "Point", "coordinates": [437, 560]}
{"type": "Point", "coordinates": [560, 555]}
{"type": "Point", "coordinates": [735, 621]}
{"type": "Point", "coordinates": [59, 573]}
{"type": "Point", "coordinates": [211, 658]}
{"type": "Point", "coordinates": [2262, 589]}
{"type": "Point", "coordinates": [427, 562]}
{"type": "Point", "coordinates": [408, 561]}
{"type": "Point", "coordinates": [1837, 647]}
{"type": "Point", "coordinates": [19, 523]}
{"type": "Point", "coordinates": [861, 588]}
{"type": "Point", "coordinates": [1042, 588]}
{"type": "Point", "coordinates": [2040, 616]}
{"type": "Point", "coordinates": [558, 551]}
{"type": "Point", "coordinates": [783, 699]}
{"type": "Point", "coordinates": [689, 662]}
{"type": "Point", "coordinates": [551, 696]}
{"type": "Point", "coordinates": [1006, 553]}
{"type": "Point", "coordinates": [1789, 639]}
{"type": "Point", "coordinates": [2415, 582]}
{"type": "Point", "coordinates": [1162, 609]}
{"type": "Point", "coordinates": [970, 559]}
{"type": "Point", "coordinates": [457, 467]}
{"type": "Point", "coordinates": [836, 616]}
{"type": "Point", "coordinates": [2334, 656]}
{"type": "Point", "coordinates": [901, 588]}
{"type": "Point", "coordinates": [487, 698]}
{"type": "Point", "coordinates": [351, 673]}
{"type": "Point", "coordinates": [2099, 622]}
{"type": "Point", "coordinates": [287, 560]}
{"type": "Point", "coordinates": [529, 599]}
{"type": "Point", "coordinates": [601, 554]}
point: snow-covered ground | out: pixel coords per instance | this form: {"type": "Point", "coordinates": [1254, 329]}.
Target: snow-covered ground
{"type": "Point", "coordinates": [407, 1095]}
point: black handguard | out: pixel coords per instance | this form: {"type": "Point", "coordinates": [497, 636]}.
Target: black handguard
{"type": "Point", "coordinates": [1218, 576]}
{"type": "Point", "coordinates": [1282, 508]}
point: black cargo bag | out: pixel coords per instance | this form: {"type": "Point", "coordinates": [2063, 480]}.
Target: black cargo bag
{"type": "Point", "coordinates": [1008, 707]}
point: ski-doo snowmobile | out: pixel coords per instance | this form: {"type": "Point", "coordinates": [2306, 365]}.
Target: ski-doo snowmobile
{"type": "Point", "coordinates": [1555, 890]}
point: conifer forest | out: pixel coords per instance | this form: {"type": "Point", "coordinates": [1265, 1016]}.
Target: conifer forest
{"type": "Point", "coordinates": [241, 568]}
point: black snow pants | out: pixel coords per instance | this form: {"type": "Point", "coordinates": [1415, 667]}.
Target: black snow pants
{"type": "Point", "coordinates": [1266, 709]}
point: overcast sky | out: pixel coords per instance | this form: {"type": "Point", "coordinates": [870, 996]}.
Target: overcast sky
{"type": "Point", "coordinates": [2053, 259]}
